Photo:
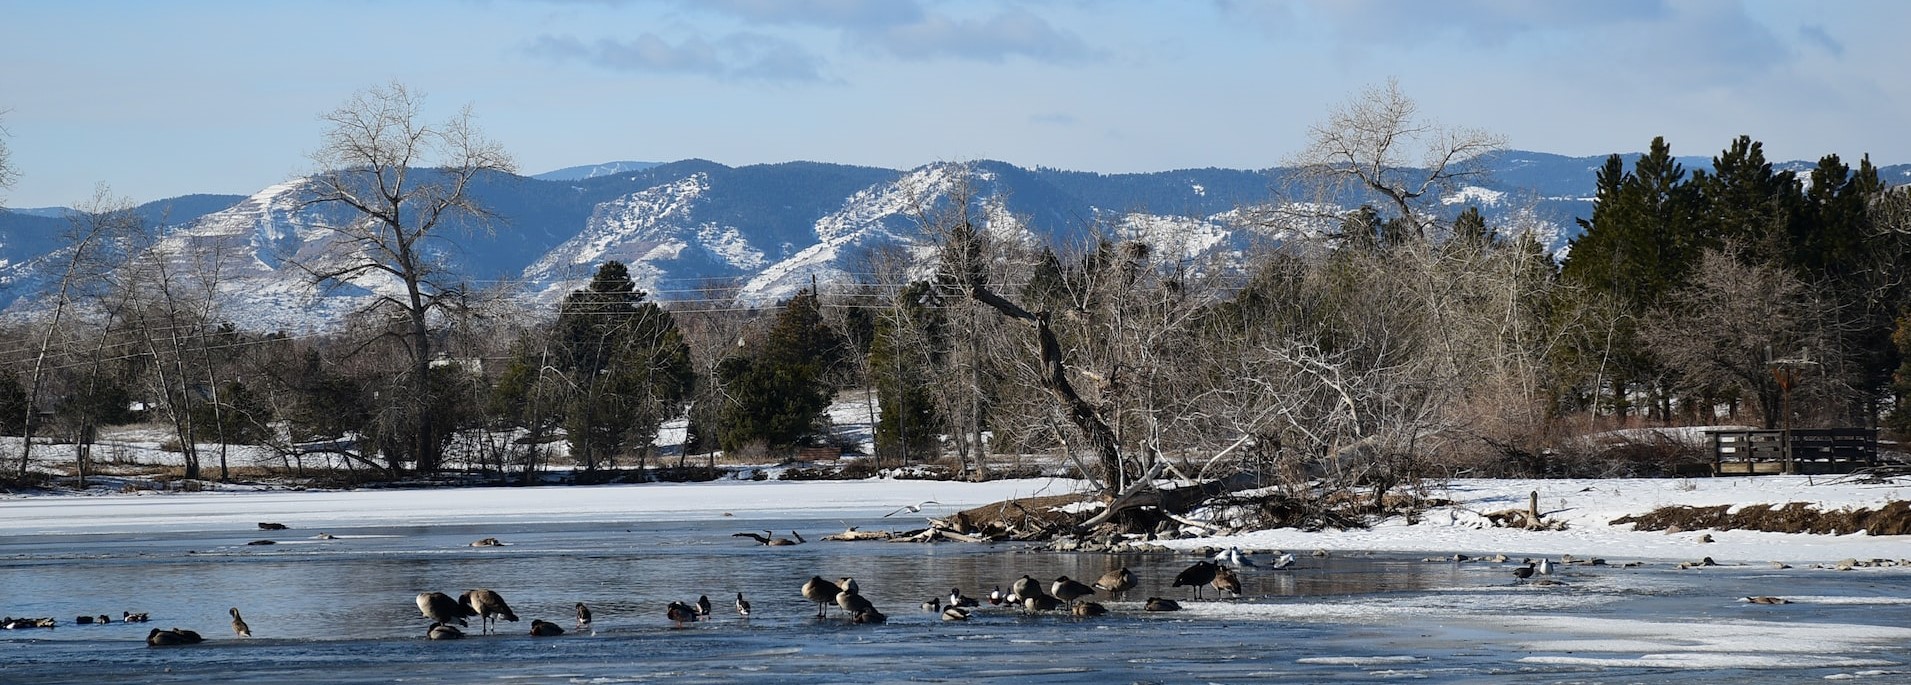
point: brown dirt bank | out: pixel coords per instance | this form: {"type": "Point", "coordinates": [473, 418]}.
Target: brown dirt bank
{"type": "Point", "coordinates": [1893, 518]}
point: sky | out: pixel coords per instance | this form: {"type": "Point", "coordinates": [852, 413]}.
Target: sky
{"type": "Point", "coordinates": [156, 100]}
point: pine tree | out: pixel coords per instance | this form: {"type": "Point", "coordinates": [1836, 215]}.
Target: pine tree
{"type": "Point", "coordinates": [777, 390]}
{"type": "Point", "coordinates": [1747, 206]}
{"type": "Point", "coordinates": [908, 344]}
{"type": "Point", "coordinates": [629, 367]}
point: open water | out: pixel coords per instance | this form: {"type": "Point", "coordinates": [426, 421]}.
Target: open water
{"type": "Point", "coordinates": [341, 611]}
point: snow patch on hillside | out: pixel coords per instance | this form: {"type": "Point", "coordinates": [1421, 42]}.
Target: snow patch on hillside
{"type": "Point", "coordinates": [1486, 197]}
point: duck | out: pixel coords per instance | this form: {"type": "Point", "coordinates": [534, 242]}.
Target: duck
{"type": "Point", "coordinates": [997, 596]}
{"type": "Point", "coordinates": [870, 616]}
{"type": "Point", "coordinates": [173, 636]}
{"type": "Point", "coordinates": [239, 626]}
{"type": "Point", "coordinates": [1201, 573]}
{"type": "Point", "coordinates": [1068, 590]}
{"type": "Point", "coordinates": [703, 606]}
{"type": "Point", "coordinates": [1226, 581]}
{"type": "Point", "coordinates": [1040, 602]}
{"type": "Point", "coordinates": [442, 609]}
{"type": "Point", "coordinates": [933, 605]}
{"type": "Point", "coordinates": [680, 613]}
{"type": "Point", "coordinates": [1087, 609]}
{"type": "Point", "coordinates": [1767, 599]}
{"type": "Point", "coordinates": [488, 606]}
{"type": "Point", "coordinates": [82, 620]}
{"type": "Point", "coordinates": [541, 628]}
{"type": "Point", "coordinates": [130, 617]}
{"type": "Point", "coordinates": [955, 614]}
{"type": "Point", "coordinates": [822, 592]}
{"type": "Point", "coordinates": [1524, 572]}
{"type": "Point", "coordinates": [743, 605]}
{"type": "Point", "coordinates": [1161, 604]}
{"type": "Point", "coordinates": [1116, 582]}
{"type": "Point", "coordinates": [956, 599]}
{"type": "Point", "coordinates": [440, 631]}
{"type": "Point", "coordinates": [583, 614]}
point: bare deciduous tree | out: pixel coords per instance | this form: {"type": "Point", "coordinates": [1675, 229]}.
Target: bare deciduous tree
{"type": "Point", "coordinates": [1378, 142]}
{"type": "Point", "coordinates": [402, 180]}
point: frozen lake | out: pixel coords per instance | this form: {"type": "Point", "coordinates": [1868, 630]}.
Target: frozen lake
{"type": "Point", "coordinates": [341, 611]}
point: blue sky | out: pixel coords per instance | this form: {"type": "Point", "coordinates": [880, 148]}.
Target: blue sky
{"type": "Point", "coordinates": [158, 99]}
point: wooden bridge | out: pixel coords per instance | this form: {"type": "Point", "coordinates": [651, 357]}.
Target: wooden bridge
{"type": "Point", "coordinates": [1797, 451]}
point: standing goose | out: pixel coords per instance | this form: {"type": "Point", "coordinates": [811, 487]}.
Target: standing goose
{"type": "Point", "coordinates": [488, 606]}
{"type": "Point", "coordinates": [854, 603]}
{"type": "Point", "coordinates": [1226, 581]}
{"type": "Point", "coordinates": [1023, 587]}
{"type": "Point", "coordinates": [1068, 590]}
{"type": "Point", "coordinates": [822, 592]}
{"type": "Point", "coordinates": [239, 626]}
{"type": "Point", "coordinates": [441, 608]}
{"type": "Point", "coordinates": [1201, 573]}
{"type": "Point", "coordinates": [743, 605]}
{"type": "Point", "coordinates": [1116, 583]}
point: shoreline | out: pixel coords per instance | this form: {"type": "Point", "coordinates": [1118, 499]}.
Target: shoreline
{"type": "Point", "coordinates": [1585, 506]}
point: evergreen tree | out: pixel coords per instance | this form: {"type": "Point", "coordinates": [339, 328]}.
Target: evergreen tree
{"type": "Point", "coordinates": [777, 391]}
{"type": "Point", "coordinates": [628, 365]}
{"type": "Point", "coordinates": [1469, 228]}
{"type": "Point", "coordinates": [1747, 206]}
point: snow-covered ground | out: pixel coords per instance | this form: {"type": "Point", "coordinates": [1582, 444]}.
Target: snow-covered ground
{"type": "Point", "coordinates": [1588, 506]}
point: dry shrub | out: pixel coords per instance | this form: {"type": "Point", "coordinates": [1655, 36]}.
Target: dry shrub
{"type": "Point", "coordinates": [1894, 518]}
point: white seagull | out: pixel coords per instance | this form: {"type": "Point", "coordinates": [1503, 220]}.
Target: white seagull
{"type": "Point", "coordinates": [1283, 561]}
{"type": "Point", "coordinates": [911, 508]}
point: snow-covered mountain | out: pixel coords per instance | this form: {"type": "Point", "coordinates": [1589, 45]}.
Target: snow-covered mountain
{"type": "Point", "coordinates": [753, 235]}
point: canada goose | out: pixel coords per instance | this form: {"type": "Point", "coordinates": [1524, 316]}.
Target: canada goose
{"type": "Point", "coordinates": [767, 539]}
{"type": "Point", "coordinates": [870, 616]}
{"type": "Point", "coordinates": [1524, 572]}
{"type": "Point", "coordinates": [1069, 590]}
{"type": "Point", "coordinates": [239, 626]}
{"type": "Point", "coordinates": [957, 599]}
{"type": "Point", "coordinates": [440, 631]}
{"type": "Point", "coordinates": [996, 596]}
{"type": "Point", "coordinates": [743, 605]}
{"type": "Point", "coordinates": [703, 606]}
{"type": "Point", "coordinates": [1201, 573]}
{"type": "Point", "coordinates": [175, 636]}
{"type": "Point", "coordinates": [1161, 604]}
{"type": "Point", "coordinates": [822, 592]}
{"type": "Point", "coordinates": [441, 608]}
{"type": "Point", "coordinates": [1226, 581]}
{"type": "Point", "coordinates": [1088, 609]}
{"type": "Point", "coordinates": [1039, 602]}
{"type": "Point", "coordinates": [1116, 583]}
{"type": "Point", "coordinates": [540, 628]}
{"type": "Point", "coordinates": [853, 603]}
{"type": "Point", "coordinates": [488, 606]}
{"type": "Point", "coordinates": [488, 542]}
{"type": "Point", "coordinates": [271, 526]}
{"type": "Point", "coordinates": [911, 508]}
{"type": "Point", "coordinates": [848, 584]}
{"type": "Point", "coordinates": [1023, 587]}
{"type": "Point", "coordinates": [1767, 599]}
{"type": "Point", "coordinates": [679, 613]}
{"type": "Point", "coordinates": [955, 614]}
{"type": "Point", "coordinates": [583, 614]}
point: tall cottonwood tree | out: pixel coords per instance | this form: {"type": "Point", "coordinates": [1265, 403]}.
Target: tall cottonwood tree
{"type": "Point", "coordinates": [403, 182]}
